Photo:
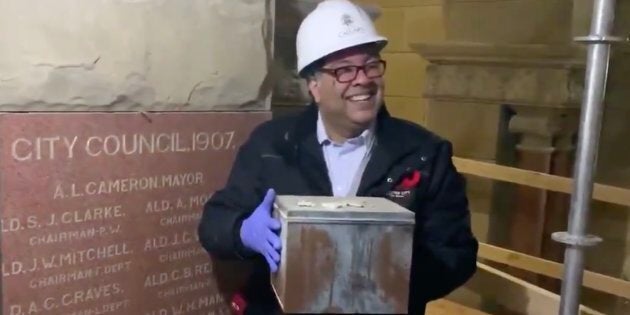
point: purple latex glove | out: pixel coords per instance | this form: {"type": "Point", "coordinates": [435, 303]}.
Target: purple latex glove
{"type": "Point", "coordinates": [258, 231]}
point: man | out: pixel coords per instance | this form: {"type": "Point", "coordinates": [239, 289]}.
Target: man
{"type": "Point", "coordinates": [345, 143]}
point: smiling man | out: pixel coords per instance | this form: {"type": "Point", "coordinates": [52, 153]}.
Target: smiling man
{"type": "Point", "coordinates": [344, 144]}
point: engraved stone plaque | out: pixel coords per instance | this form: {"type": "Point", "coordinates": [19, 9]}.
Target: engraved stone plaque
{"type": "Point", "coordinates": [99, 210]}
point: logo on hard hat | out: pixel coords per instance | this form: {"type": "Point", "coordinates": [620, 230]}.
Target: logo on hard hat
{"type": "Point", "coordinates": [346, 20]}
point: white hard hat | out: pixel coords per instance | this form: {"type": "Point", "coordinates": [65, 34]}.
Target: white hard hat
{"type": "Point", "coordinates": [334, 25]}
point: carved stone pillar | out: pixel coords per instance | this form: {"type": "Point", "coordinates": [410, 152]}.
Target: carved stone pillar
{"type": "Point", "coordinates": [546, 146]}
{"type": "Point", "coordinates": [541, 87]}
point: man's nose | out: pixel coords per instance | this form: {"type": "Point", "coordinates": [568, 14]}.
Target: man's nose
{"type": "Point", "coordinates": [361, 78]}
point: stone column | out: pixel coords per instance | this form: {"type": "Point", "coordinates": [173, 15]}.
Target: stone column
{"type": "Point", "coordinates": [546, 146]}
{"type": "Point", "coordinates": [500, 59]}
{"type": "Point", "coordinates": [539, 84]}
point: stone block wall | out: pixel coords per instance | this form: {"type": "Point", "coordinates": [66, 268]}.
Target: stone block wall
{"type": "Point", "coordinates": [404, 22]}
{"type": "Point", "coordinates": [134, 55]}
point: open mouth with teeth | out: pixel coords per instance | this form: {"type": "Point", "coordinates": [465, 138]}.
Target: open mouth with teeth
{"type": "Point", "coordinates": [361, 97]}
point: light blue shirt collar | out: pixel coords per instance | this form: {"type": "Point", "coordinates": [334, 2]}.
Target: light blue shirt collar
{"type": "Point", "coordinates": [322, 136]}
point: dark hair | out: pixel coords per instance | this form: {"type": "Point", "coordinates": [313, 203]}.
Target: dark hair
{"type": "Point", "coordinates": [309, 71]}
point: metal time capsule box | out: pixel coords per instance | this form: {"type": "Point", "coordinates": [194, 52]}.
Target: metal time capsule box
{"type": "Point", "coordinates": [343, 255]}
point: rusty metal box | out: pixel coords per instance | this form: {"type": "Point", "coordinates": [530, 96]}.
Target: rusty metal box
{"type": "Point", "coordinates": [343, 255]}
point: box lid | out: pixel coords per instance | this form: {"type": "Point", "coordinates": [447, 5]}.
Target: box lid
{"type": "Point", "coordinates": [341, 209]}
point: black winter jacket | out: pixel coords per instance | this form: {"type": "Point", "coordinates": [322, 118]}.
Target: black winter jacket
{"type": "Point", "coordinates": [284, 154]}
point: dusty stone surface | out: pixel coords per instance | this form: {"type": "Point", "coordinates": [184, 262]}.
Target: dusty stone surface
{"type": "Point", "coordinates": [509, 21]}
{"type": "Point", "coordinates": [516, 85]}
{"type": "Point", "coordinates": [134, 54]}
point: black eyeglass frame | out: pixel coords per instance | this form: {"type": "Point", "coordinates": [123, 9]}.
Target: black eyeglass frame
{"type": "Point", "coordinates": [355, 70]}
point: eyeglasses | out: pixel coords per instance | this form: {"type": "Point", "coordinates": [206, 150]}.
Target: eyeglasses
{"type": "Point", "coordinates": [346, 74]}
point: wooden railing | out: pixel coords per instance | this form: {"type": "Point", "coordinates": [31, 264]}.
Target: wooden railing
{"type": "Point", "coordinates": [606, 193]}
{"type": "Point", "coordinates": [596, 281]}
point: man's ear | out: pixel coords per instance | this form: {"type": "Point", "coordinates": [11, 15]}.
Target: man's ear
{"type": "Point", "coordinates": [313, 88]}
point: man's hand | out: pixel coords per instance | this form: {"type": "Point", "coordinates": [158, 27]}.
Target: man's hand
{"type": "Point", "coordinates": [258, 231]}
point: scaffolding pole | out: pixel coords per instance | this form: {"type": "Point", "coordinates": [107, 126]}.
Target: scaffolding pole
{"type": "Point", "coordinates": [576, 239]}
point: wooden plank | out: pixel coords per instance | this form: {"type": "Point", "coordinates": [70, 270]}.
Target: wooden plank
{"type": "Point", "coordinates": [606, 193]}
{"type": "Point", "coordinates": [514, 295]}
{"type": "Point", "coordinates": [446, 307]}
{"type": "Point", "coordinates": [593, 280]}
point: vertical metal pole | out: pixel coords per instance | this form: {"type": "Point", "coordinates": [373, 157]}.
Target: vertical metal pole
{"type": "Point", "coordinates": [590, 125]}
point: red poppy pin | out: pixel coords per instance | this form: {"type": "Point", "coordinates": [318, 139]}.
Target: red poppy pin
{"type": "Point", "coordinates": [238, 304]}
{"type": "Point", "coordinates": [410, 181]}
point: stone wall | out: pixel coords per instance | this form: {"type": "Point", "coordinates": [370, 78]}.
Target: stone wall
{"type": "Point", "coordinates": [134, 55]}
{"type": "Point", "coordinates": [405, 22]}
